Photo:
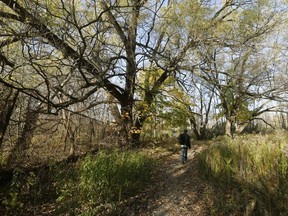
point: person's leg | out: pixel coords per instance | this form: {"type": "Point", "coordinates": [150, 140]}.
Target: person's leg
{"type": "Point", "coordinates": [186, 152]}
{"type": "Point", "coordinates": [183, 155]}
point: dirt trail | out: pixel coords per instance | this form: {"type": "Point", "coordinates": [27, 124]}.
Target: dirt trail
{"type": "Point", "coordinates": [178, 190]}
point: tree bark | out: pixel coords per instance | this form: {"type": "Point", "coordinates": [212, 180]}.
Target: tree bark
{"type": "Point", "coordinates": [228, 128]}
{"type": "Point", "coordinates": [27, 133]}
{"type": "Point", "coordinates": [7, 106]}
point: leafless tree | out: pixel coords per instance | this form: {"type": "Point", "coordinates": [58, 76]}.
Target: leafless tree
{"type": "Point", "coordinates": [62, 53]}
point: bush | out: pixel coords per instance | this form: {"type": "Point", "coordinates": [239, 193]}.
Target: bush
{"type": "Point", "coordinates": [105, 180]}
{"type": "Point", "coordinates": [251, 172]}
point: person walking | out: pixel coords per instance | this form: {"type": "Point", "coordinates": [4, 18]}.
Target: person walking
{"type": "Point", "coordinates": [184, 141]}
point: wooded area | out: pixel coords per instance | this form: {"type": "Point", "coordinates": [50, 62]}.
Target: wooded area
{"type": "Point", "coordinates": [82, 75]}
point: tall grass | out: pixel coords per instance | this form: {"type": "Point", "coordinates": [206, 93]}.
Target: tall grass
{"type": "Point", "coordinates": [105, 180]}
{"type": "Point", "coordinates": [251, 173]}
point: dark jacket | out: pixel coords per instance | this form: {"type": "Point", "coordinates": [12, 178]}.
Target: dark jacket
{"type": "Point", "coordinates": [184, 139]}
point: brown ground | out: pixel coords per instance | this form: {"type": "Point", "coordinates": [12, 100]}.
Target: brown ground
{"type": "Point", "coordinates": [178, 189]}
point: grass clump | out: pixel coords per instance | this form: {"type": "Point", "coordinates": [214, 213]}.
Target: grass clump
{"type": "Point", "coordinates": [251, 174]}
{"type": "Point", "coordinates": [105, 180]}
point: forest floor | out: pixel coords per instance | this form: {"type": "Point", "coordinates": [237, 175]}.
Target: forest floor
{"type": "Point", "coordinates": [177, 190]}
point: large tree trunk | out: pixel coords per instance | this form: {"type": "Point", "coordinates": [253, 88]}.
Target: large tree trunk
{"type": "Point", "coordinates": [7, 104]}
{"type": "Point", "coordinates": [228, 127]}
{"type": "Point", "coordinates": [194, 126]}
{"type": "Point", "coordinates": [199, 131]}
{"type": "Point", "coordinates": [129, 126]}
{"type": "Point", "coordinates": [126, 124]}
{"type": "Point", "coordinates": [137, 129]}
{"type": "Point", "coordinates": [70, 133]}
{"type": "Point", "coordinates": [27, 133]}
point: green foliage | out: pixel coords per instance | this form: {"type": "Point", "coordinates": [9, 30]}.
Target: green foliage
{"type": "Point", "coordinates": [252, 171]}
{"type": "Point", "coordinates": [26, 186]}
{"type": "Point", "coordinates": [103, 181]}
{"type": "Point", "coordinates": [169, 104]}
{"type": "Point", "coordinates": [111, 176]}
{"type": "Point", "coordinates": [67, 179]}
{"type": "Point", "coordinates": [12, 200]}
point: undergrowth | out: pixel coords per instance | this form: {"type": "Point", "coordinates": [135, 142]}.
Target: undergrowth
{"type": "Point", "coordinates": [102, 182]}
{"type": "Point", "coordinates": [251, 174]}
{"type": "Point", "coordinates": [95, 185]}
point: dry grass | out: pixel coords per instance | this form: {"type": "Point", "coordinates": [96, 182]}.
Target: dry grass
{"type": "Point", "coordinates": [251, 172]}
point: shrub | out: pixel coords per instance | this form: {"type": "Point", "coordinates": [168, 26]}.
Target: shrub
{"type": "Point", "coordinates": [105, 180]}
{"type": "Point", "coordinates": [111, 176]}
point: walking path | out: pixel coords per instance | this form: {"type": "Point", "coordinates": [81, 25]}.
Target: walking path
{"type": "Point", "coordinates": [178, 189]}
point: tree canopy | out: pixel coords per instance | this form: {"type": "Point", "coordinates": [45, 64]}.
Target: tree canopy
{"type": "Point", "coordinates": [65, 53]}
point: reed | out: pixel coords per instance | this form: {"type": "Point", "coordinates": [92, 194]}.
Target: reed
{"type": "Point", "coordinates": [250, 172]}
